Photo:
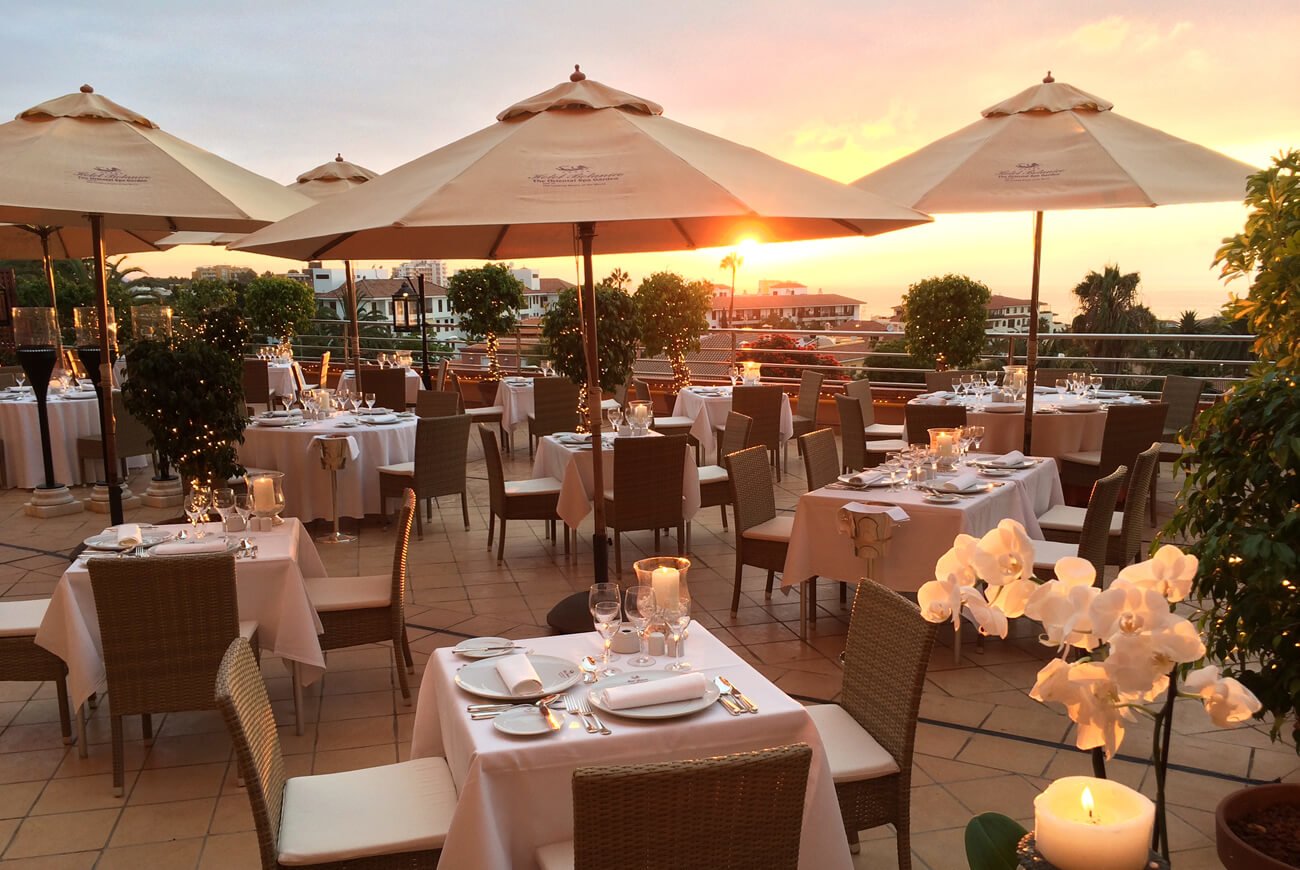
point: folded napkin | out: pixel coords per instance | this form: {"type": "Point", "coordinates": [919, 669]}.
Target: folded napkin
{"type": "Point", "coordinates": [184, 548]}
{"type": "Point", "coordinates": [960, 483]}
{"type": "Point", "coordinates": [1015, 457]}
{"type": "Point", "coordinates": [682, 688]}
{"type": "Point", "coordinates": [862, 478]}
{"type": "Point", "coordinates": [933, 400]}
{"type": "Point", "coordinates": [354, 449]}
{"type": "Point", "coordinates": [1130, 400]}
{"type": "Point", "coordinates": [128, 535]}
{"type": "Point", "coordinates": [380, 418]}
{"type": "Point", "coordinates": [894, 512]}
{"type": "Point", "coordinates": [519, 675]}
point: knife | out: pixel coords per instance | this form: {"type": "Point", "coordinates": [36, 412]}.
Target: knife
{"type": "Point", "coordinates": [740, 696]}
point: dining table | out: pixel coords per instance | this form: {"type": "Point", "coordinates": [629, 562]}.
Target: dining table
{"type": "Point", "coordinates": [348, 381]}
{"type": "Point", "coordinates": [514, 792]}
{"type": "Point", "coordinates": [515, 398]}
{"type": "Point", "coordinates": [280, 379]}
{"type": "Point", "coordinates": [72, 414]}
{"type": "Point", "coordinates": [708, 408]}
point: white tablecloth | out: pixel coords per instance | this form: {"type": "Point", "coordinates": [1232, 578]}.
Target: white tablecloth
{"type": "Point", "coordinates": [515, 793]}
{"type": "Point", "coordinates": [709, 411]}
{"type": "Point", "coordinates": [348, 381]}
{"type": "Point", "coordinates": [1055, 432]}
{"type": "Point", "coordinates": [20, 431]}
{"type": "Point", "coordinates": [307, 485]}
{"type": "Point", "coordinates": [270, 589]}
{"type": "Point", "coordinates": [280, 380]}
{"type": "Point", "coordinates": [516, 401]}
{"type": "Point", "coordinates": [573, 467]}
{"type": "Point", "coordinates": [818, 549]}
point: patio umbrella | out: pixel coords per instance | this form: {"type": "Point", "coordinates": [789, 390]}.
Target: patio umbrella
{"type": "Point", "coordinates": [47, 244]}
{"type": "Point", "coordinates": [84, 161]}
{"type": "Point", "coordinates": [1053, 146]}
{"type": "Point", "coordinates": [580, 163]}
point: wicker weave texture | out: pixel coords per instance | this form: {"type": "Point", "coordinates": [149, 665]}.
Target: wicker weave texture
{"type": "Point", "coordinates": [1130, 429]}
{"type": "Point", "coordinates": [555, 406]}
{"type": "Point", "coordinates": [1182, 394]}
{"type": "Point", "coordinates": [1094, 537]}
{"type": "Point", "coordinates": [1136, 503]}
{"type": "Point", "coordinates": [861, 390]}
{"type": "Point", "coordinates": [648, 483]}
{"type": "Point", "coordinates": [821, 460]}
{"type": "Point", "coordinates": [919, 419]}
{"type": "Point", "coordinates": [734, 812]}
{"type": "Point", "coordinates": [388, 385]}
{"type": "Point", "coordinates": [735, 433]}
{"type": "Point", "coordinates": [21, 660]}
{"type": "Point", "coordinates": [852, 432]}
{"type": "Point", "coordinates": [763, 406]}
{"type": "Point", "coordinates": [256, 382]}
{"type": "Point", "coordinates": [944, 380]}
{"type": "Point", "coordinates": [810, 395]}
{"type": "Point", "coordinates": [437, 403]}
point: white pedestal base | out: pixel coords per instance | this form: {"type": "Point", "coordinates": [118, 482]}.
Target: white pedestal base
{"type": "Point", "coordinates": [163, 494]}
{"type": "Point", "coordinates": [56, 502]}
{"type": "Point", "coordinates": [98, 501]}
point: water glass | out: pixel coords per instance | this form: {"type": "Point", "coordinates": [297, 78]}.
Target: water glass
{"type": "Point", "coordinates": [1062, 387]}
{"type": "Point", "coordinates": [615, 416]}
{"type": "Point", "coordinates": [223, 502]}
{"type": "Point", "coordinates": [244, 507]}
{"type": "Point", "coordinates": [370, 400]}
{"type": "Point", "coordinates": [605, 604]}
{"type": "Point", "coordinates": [677, 617]}
{"type": "Point", "coordinates": [196, 508]}
{"type": "Point", "coordinates": [976, 436]}
{"type": "Point", "coordinates": [1094, 385]}
{"type": "Point", "coordinates": [639, 604]}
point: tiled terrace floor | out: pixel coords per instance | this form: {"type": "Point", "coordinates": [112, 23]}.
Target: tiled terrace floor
{"type": "Point", "coordinates": [982, 745]}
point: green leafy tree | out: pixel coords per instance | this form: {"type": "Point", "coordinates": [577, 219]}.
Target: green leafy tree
{"type": "Point", "coordinates": [75, 287]}
{"type": "Point", "coordinates": [782, 358]}
{"type": "Point", "coordinates": [487, 300]}
{"type": "Point", "coordinates": [1188, 324]}
{"type": "Point", "coordinates": [191, 302]}
{"type": "Point", "coordinates": [1109, 303]}
{"type": "Point", "coordinates": [618, 278]}
{"type": "Point", "coordinates": [672, 315]}
{"type": "Point", "coordinates": [617, 334]}
{"type": "Point", "coordinates": [944, 321]}
{"type": "Point", "coordinates": [279, 307]}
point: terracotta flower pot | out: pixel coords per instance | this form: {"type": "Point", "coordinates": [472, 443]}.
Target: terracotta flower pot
{"type": "Point", "coordinates": [1235, 853]}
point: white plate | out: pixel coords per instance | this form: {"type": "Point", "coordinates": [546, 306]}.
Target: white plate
{"type": "Point", "coordinates": [470, 649]}
{"type": "Point", "coordinates": [231, 542]}
{"type": "Point", "coordinates": [107, 541]}
{"type": "Point", "coordinates": [481, 678]}
{"type": "Point", "coordinates": [1081, 407]}
{"type": "Point", "coordinates": [847, 480]}
{"type": "Point", "coordinates": [670, 710]}
{"type": "Point", "coordinates": [523, 722]}
{"type": "Point", "coordinates": [1002, 407]}
{"type": "Point", "coordinates": [996, 472]}
{"type": "Point", "coordinates": [276, 421]}
{"type": "Point", "coordinates": [987, 463]}
{"type": "Point", "coordinates": [940, 498]}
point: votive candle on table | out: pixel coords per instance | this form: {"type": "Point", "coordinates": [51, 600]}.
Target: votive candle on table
{"type": "Point", "coordinates": [666, 583]}
{"type": "Point", "coordinates": [947, 445]}
{"type": "Point", "coordinates": [263, 494]}
{"type": "Point", "coordinates": [1084, 823]}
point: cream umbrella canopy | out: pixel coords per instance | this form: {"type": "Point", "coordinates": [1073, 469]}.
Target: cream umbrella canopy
{"type": "Point", "coordinates": [580, 166]}
{"type": "Point", "coordinates": [47, 244]}
{"type": "Point", "coordinates": [82, 160]}
{"type": "Point", "coordinates": [1053, 146]}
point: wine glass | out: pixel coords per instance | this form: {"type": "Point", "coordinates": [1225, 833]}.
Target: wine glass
{"type": "Point", "coordinates": [604, 602]}
{"type": "Point", "coordinates": [639, 603]}
{"type": "Point", "coordinates": [1094, 385]}
{"type": "Point", "coordinates": [244, 507]}
{"type": "Point", "coordinates": [615, 416]}
{"type": "Point", "coordinates": [370, 401]}
{"type": "Point", "coordinates": [677, 616]}
{"type": "Point", "coordinates": [287, 401]}
{"type": "Point", "coordinates": [893, 466]}
{"type": "Point", "coordinates": [223, 502]}
{"type": "Point", "coordinates": [976, 436]}
{"type": "Point", "coordinates": [20, 378]}
{"type": "Point", "coordinates": [196, 508]}
{"type": "Point", "coordinates": [1062, 387]}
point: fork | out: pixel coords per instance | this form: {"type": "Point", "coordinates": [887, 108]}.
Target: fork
{"type": "Point", "coordinates": [584, 707]}
{"type": "Point", "coordinates": [574, 708]}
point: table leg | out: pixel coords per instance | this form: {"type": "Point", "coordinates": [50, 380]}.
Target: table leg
{"type": "Point", "coordinates": [83, 751]}
{"type": "Point", "coordinates": [803, 608]}
{"type": "Point", "coordinates": [956, 643]}
{"type": "Point", "coordinates": [297, 698]}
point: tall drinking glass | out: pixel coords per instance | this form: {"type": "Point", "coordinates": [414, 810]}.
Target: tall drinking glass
{"type": "Point", "coordinates": [677, 616]}
{"type": "Point", "coordinates": [639, 604]}
{"type": "Point", "coordinates": [196, 508]}
{"type": "Point", "coordinates": [223, 502]}
{"type": "Point", "coordinates": [605, 604]}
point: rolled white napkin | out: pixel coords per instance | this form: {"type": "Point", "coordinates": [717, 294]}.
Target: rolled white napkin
{"type": "Point", "coordinates": [184, 548]}
{"type": "Point", "coordinates": [519, 675]}
{"type": "Point", "coordinates": [861, 478]}
{"type": "Point", "coordinates": [381, 418]}
{"type": "Point", "coordinates": [681, 688]}
{"type": "Point", "coordinates": [128, 535]}
{"type": "Point", "coordinates": [934, 400]}
{"type": "Point", "coordinates": [961, 483]}
{"type": "Point", "coordinates": [1015, 457]}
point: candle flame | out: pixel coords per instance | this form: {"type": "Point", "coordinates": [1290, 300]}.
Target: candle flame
{"type": "Point", "coordinates": [1086, 800]}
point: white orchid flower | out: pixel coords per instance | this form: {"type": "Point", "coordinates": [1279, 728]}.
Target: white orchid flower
{"type": "Point", "coordinates": [944, 600]}
{"type": "Point", "coordinates": [1012, 598]}
{"type": "Point", "coordinates": [1170, 572]}
{"type": "Point", "coordinates": [1097, 711]}
{"type": "Point", "coordinates": [957, 561]}
{"type": "Point", "coordinates": [990, 620]}
{"type": "Point", "coordinates": [1053, 684]}
{"type": "Point", "coordinates": [1062, 605]}
{"type": "Point", "coordinates": [1004, 555]}
{"type": "Point", "coordinates": [1131, 610]}
{"type": "Point", "coordinates": [1226, 700]}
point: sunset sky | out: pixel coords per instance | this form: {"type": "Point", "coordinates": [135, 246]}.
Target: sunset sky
{"type": "Point", "coordinates": [840, 87]}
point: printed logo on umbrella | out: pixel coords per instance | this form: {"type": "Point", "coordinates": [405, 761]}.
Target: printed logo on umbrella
{"type": "Point", "coordinates": [575, 175]}
{"type": "Point", "coordinates": [1029, 172]}
{"type": "Point", "coordinates": [110, 175]}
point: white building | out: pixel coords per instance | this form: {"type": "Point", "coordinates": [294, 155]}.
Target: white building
{"type": "Point", "coordinates": [1009, 314]}
{"type": "Point", "coordinates": [434, 271]}
{"type": "Point", "coordinates": [323, 281]}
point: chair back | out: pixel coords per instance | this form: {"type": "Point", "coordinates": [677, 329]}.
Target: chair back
{"type": "Point", "coordinates": [861, 390]}
{"type": "Point", "coordinates": [401, 553]}
{"type": "Point", "coordinates": [164, 623]}
{"type": "Point", "coordinates": [437, 403]}
{"type": "Point", "coordinates": [555, 406]}
{"type": "Point", "coordinates": [133, 437]}
{"type": "Point", "coordinates": [299, 379]}
{"type": "Point", "coordinates": [1094, 536]}
{"type": "Point", "coordinates": [919, 419]}
{"type": "Point", "coordinates": [852, 432]}
{"type": "Point", "coordinates": [323, 380]}
{"type": "Point", "coordinates": [763, 406]}
{"type": "Point", "coordinates": [810, 395]}
{"type": "Point", "coordinates": [441, 444]}
{"type": "Point", "coordinates": [1182, 395]}
{"type": "Point", "coordinates": [1049, 377]}
{"type": "Point", "coordinates": [1136, 502]}
{"type": "Point", "coordinates": [821, 461]}
{"type": "Point", "coordinates": [496, 474]}
{"type": "Point", "coordinates": [642, 391]}
{"type": "Point", "coordinates": [1130, 429]}
{"type": "Point", "coordinates": [753, 497]}
{"type": "Point", "coordinates": [944, 380]}
{"type": "Point", "coordinates": [744, 810]}
{"type": "Point", "coordinates": [388, 385]}
{"type": "Point", "coordinates": [885, 658]}
{"type": "Point", "coordinates": [648, 481]}
{"type": "Point", "coordinates": [735, 433]}
{"type": "Point", "coordinates": [257, 383]}
{"type": "Point", "coordinates": [241, 697]}
{"type": "Point", "coordinates": [440, 375]}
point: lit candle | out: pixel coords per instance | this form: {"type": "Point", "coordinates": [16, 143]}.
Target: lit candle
{"type": "Point", "coordinates": [1082, 823]}
{"type": "Point", "coordinates": [263, 494]}
{"type": "Point", "coordinates": [947, 445]}
{"type": "Point", "coordinates": [666, 584]}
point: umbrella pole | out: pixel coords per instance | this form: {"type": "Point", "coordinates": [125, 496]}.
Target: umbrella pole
{"type": "Point", "coordinates": [353, 339]}
{"type": "Point", "coordinates": [1031, 347]}
{"type": "Point", "coordinates": [108, 433]}
{"type": "Point", "coordinates": [47, 263]}
{"type": "Point", "coordinates": [587, 299]}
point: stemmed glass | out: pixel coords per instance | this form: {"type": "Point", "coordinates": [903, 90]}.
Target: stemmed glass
{"type": "Point", "coordinates": [370, 401]}
{"type": "Point", "coordinates": [639, 603]}
{"type": "Point", "coordinates": [1094, 385]}
{"type": "Point", "coordinates": [604, 602]}
{"type": "Point", "coordinates": [960, 385]}
{"type": "Point", "coordinates": [244, 507]}
{"type": "Point", "coordinates": [893, 466]}
{"type": "Point", "coordinates": [615, 416]}
{"type": "Point", "coordinates": [1062, 387]}
{"type": "Point", "coordinates": [975, 434]}
{"type": "Point", "coordinates": [196, 508]}
{"type": "Point", "coordinates": [734, 375]}
{"type": "Point", "coordinates": [287, 401]}
{"type": "Point", "coordinates": [20, 378]}
{"type": "Point", "coordinates": [223, 501]}
{"type": "Point", "coordinates": [677, 616]}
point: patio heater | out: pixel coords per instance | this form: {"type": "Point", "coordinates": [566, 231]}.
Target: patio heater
{"type": "Point", "coordinates": [85, 325]}
{"type": "Point", "coordinates": [36, 338]}
{"type": "Point", "coordinates": [408, 316]}
{"type": "Point", "coordinates": [154, 323]}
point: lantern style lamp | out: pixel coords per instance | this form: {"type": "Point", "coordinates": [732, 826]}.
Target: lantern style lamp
{"type": "Point", "coordinates": [36, 337]}
{"type": "Point", "coordinates": [152, 321]}
{"type": "Point", "coordinates": [406, 313]}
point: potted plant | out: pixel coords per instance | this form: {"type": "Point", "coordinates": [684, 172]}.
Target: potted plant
{"type": "Point", "coordinates": [279, 307]}
{"type": "Point", "coordinates": [617, 334]}
{"type": "Point", "coordinates": [944, 319]}
{"type": "Point", "coordinates": [673, 315]}
{"type": "Point", "coordinates": [487, 301]}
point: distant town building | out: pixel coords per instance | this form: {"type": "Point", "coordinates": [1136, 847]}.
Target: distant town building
{"type": "Point", "coordinates": [323, 281]}
{"type": "Point", "coordinates": [225, 274]}
{"type": "Point", "coordinates": [788, 301]}
{"type": "Point", "coordinates": [434, 271]}
{"type": "Point", "coordinates": [376, 295]}
{"type": "Point", "coordinates": [768, 287]}
{"type": "Point", "coordinates": [1009, 314]}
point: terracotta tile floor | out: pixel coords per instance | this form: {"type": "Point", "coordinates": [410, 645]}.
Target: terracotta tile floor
{"type": "Point", "coordinates": [982, 744]}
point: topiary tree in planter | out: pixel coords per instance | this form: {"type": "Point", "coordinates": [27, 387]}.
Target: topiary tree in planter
{"type": "Point", "coordinates": [617, 333]}
{"type": "Point", "coordinates": [944, 321]}
{"type": "Point", "coordinates": [279, 307]}
{"type": "Point", "coordinates": [487, 300]}
{"type": "Point", "coordinates": [672, 315]}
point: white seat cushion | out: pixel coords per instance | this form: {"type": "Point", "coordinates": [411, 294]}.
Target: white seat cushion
{"type": "Point", "coordinates": [687, 422]}
{"type": "Point", "coordinates": [350, 593]}
{"type": "Point", "coordinates": [22, 618]}
{"type": "Point", "coordinates": [556, 856]}
{"type": "Point", "coordinates": [247, 628]}
{"type": "Point", "coordinates": [712, 474]}
{"type": "Point", "coordinates": [775, 529]}
{"type": "Point", "coordinates": [1064, 518]}
{"type": "Point", "coordinates": [1046, 553]}
{"type": "Point", "coordinates": [884, 430]}
{"type": "Point", "coordinates": [490, 411]}
{"type": "Point", "coordinates": [535, 486]}
{"type": "Point", "coordinates": [853, 754]}
{"type": "Point", "coordinates": [888, 445]}
{"type": "Point", "coordinates": [1087, 457]}
{"type": "Point", "coordinates": [405, 807]}
{"type": "Point", "coordinates": [406, 469]}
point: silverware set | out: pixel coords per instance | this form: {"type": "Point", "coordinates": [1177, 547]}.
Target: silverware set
{"type": "Point", "coordinates": [735, 702]}
{"type": "Point", "coordinates": [247, 550]}
{"type": "Point", "coordinates": [577, 705]}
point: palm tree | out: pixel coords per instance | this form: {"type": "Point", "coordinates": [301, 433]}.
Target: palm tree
{"type": "Point", "coordinates": [1108, 303]}
{"type": "Point", "coordinates": [1188, 324]}
{"type": "Point", "coordinates": [732, 261]}
{"type": "Point", "coordinates": [618, 279]}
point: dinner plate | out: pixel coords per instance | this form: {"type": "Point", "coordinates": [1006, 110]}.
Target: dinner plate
{"type": "Point", "coordinates": [470, 649]}
{"type": "Point", "coordinates": [364, 412]}
{"type": "Point", "coordinates": [1081, 407]}
{"type": "Point", "coordinates": [671, 710]}
{"type": "Point", "coordinates": [1019, 466]}
{"type": "Point", "coordinates": [994, 471]}
{"type": "Point", "coordinates": [941, 498]}
{"type": "Point", "coordinates": [1002, 407]}
{"type": "Point", "coordinates": [523, 722]}
{"type": "Point", "coordinates": [274, 422]}
{"type": "Point", "coordinates": [1111, 394]}
{"type": "Point", "coordinates": [481, 678]}
{"type": "Point", "coordinates": [231, 545]}
{"type": "Point", "coordinates": [847, 480]}
{"type": "Point", "coordinates": [107, 540]}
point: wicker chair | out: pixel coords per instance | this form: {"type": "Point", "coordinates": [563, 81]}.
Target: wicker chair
{"type": "Point", "coordinates": [733, 812]}
{"type": "Point", "coordinates": [21, 660]}
{"type": "Point", "coordinates": [388, 385]}
{"type": "Point", "coordinates": [164, 623]}
{"type": "Point", "coordinates": [555, 409]}
{"type": "Point", "coordinates": [920, 419]}
{"type": "Point", "coordinates": [440, 375]}
{"type": "Point", "coordinates": [1095, 533]}
{"type": "Point", "coordinates": [441, 444]}
{"type": "Point", "coordinates": [859, 453]}
{"type": "Point", "coordinates": [647, 490]}
{"type": "Point", "coordinates": [437, 403]}
{"type": "Point", "coordinates": [330, 820]}
{"type": "Point", "coordinates": [935, 381]}
{"type": "Point", "coordinates": [131, 435]}
{"type": "Point", "coordinates": [715, 486]}
{"type": "Point", "coordinates": [257, 384]}
{"type": "Point", "coordinates": [861, 390]}
{"type": "Point", "coordinates": [821, 459]}
{"type": "Point", "coordinates": [370, 609]}
{"type": "Point", "coordinates": [1064, 523]}
{"type": "Point", "coordinates": [762, 537]}
{"type": "Point", "coordinates": [1130, 429]}
{"type": "Point", "coordinates": [763, 406]}
{"type": "Point", "coordinates": [1183, 395]}
{"type": "Point", "coordinates": [535, 499]}
{"type": "Point", "coordinates": [1049, 377]}
{"type": "Point", "coordinates": [805, 411]}
{"type": "Point", "coordinates": [450, 382]}
{"type": "Point", "coordinates": [870, 734]}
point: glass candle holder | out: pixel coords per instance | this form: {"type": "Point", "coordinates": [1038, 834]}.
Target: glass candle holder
{"type": "Point", "coordinates": [665, 574]}
{"type": "Point", "coordinates": [152, 321]}
{"type": "Point", "coordinates": [35, 327]}
{"type": "Point", "coordinates": [945, 446]}
{"type": "Point", "coordinates": [752, 372]}
{"type": "Point", "coordinates": [86, 327]}
{"type": "Point", "coordinates": [266, 492]}
{"type": "Point", "coordinates": [639, 416]}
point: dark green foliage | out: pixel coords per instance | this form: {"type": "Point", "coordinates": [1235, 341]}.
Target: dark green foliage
{"type": "Point", "coordinates": [190, 302]}
{"type": "Point", "coordinates": [991, 840]}
{"type": "Point", "coordinates": [672, 315]}
{"type": "Point", "coordinates": [944, 321]}
{"type": "Point", "coordinates": [486, 300]}
{"type": "Point", "coordinates": [782, 358]}
{"type": "Point", "coordinates": [279, 307]}
{"type": "Point", "coordinates": [616, 336]}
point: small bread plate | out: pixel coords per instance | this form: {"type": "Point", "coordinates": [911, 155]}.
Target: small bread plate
{"type": "Point", "coordinates": [671, 710]}
{"type": "Point", "coordinates": [994, 471]}
{"type": "Point", "coordinates": [481, 678]}
{"type": "Point", "coordinates": [1080, 407]}
{"type": "Point", "coordinates": [107, 540]}
{"type": "Point", "coordinates": [941, 498]}
{"type": "Point", "coordinates": [523, 722]}
{"type": "Point", "coordinates": [484, 647]}
{"type": "Point", "coordinates": [880, 482]}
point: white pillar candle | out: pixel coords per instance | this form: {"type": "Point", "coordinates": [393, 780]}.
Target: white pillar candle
{"type": "Point", "coordinates": [1082, 823]}
{"type": "Point", "coordinates": [666, 583]}
{"type": "Point", "coordinates": [263, 494]}
{"type": "Point", "coordinates": [947, 445]}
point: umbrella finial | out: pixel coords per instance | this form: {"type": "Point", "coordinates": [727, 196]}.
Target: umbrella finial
{"type": "Point", "coordinates": [338, 158]}
{"type": "Point", "coordinates": [577, 75]}
{"type": "Point", "coordinates": [87, 89]}
{"type": "Point", "coordinates": [1047, 79]}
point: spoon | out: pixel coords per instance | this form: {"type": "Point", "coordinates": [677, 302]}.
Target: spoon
{"type": "Point", "coordinates": [588, 667]}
